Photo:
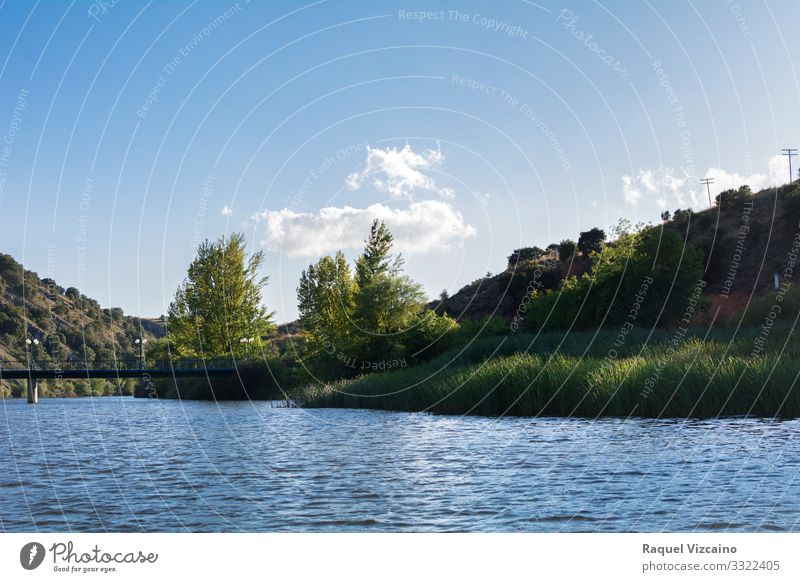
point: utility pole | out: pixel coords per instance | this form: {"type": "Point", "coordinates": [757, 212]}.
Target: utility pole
{"type": "Point", "coordinates": [789, 153]}
{"type": "Point", "coordinates": [708, 182]}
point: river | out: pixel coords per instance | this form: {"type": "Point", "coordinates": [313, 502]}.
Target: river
{"type": "Point", "coordinates": [122, 464]}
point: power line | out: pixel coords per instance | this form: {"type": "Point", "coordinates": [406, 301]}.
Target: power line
{"type": "Point", "coordinates": [708, 182]}
{"type": "Point", "coordinates": [789, 153]}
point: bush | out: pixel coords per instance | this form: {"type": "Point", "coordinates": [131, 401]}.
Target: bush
{"type": "Point", "coordinates": [732, 199]}
{"type": "Point", "coordinates": [524, 255]}
{"type": "Point", "coordinates": [789, 201]}
{"type": "Point", "coordinates": [591, 241]}
{"type": "Point", "coordinates": [651, 274]}
{"type": "Point", "coordinates": [566, 250]}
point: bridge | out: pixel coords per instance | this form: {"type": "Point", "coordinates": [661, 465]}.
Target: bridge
{"type": "Point", "coordinates": [32, 371]}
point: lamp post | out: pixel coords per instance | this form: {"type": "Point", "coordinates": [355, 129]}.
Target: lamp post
{"type": "Point", "coordinates": [249, 341]}
{"type": "Point", "coordinates": [141, 342]}
{"type": "Point", "coordinates": [29, 343]}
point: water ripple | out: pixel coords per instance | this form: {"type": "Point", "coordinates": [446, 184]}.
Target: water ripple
{"type": "Point", "coordinates": [119, 464]}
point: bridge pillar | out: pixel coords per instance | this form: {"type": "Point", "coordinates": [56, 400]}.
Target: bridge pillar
{"type": "Point", "coordinates": [33, 391]}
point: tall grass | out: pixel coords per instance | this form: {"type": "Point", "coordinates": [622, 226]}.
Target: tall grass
{"type": "Point", "coordinates": [588, 375]}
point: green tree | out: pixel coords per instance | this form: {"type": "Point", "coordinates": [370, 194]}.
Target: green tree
{"type": "Point", "coordinates": [373, 314]}
{"type": "Point", "coordinates": [591, 241]}
{"type": "Point", "coordinates": [566, 249]}
{"type": "Point", "coordinates": [326, 300]}
{"type": "Point", "coordinates": [386, 301]}
{"type": "Point", "coordinates": [219, 302]}
{"type": "Point", "coordinates": [645, 278]}
{"type": "Point", "coordinates": [681, 217]}
{"type": "Point", "coordinates": [376, 259]}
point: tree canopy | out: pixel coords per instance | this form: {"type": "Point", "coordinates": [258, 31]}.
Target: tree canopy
{"type": "Point", "coordinates": [591, 241]}
{"type": "Point", "coordinates": [377, 312]}
{"type": "Point", "coordinates": [219, 302]}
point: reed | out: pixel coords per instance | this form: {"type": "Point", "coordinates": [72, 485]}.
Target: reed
{"type": "Point", "coordinates": [589, 375]}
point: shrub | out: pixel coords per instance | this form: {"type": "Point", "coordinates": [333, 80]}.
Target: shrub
{"type": "Point", "coordinates": [731, 199]}
{"type": "Point", "coordinates": [566, 249]}
{"type": "Point", "coordinates": [524, 255]}
{"type": "Point", "coordinates": [591, 241]}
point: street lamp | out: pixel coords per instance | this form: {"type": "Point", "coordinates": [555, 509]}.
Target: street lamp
{"type": "Point", "coordinates": [141, 342]}
{"type": "Point", "coordinates": [248, 341]}
{"type": "Point", "coordinates": [29, 343]}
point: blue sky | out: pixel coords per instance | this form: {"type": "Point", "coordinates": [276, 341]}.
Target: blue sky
{"type": "Point", "coordinates": [131, 130]}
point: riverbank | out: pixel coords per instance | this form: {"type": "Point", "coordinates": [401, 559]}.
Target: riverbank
{"type": "Point", "coordinates": [14, 389]}
{"type": "Point", "coordinates": [663, 374]}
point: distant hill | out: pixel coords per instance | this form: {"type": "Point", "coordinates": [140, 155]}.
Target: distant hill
{"type": "Point", "coordinates": [67, 325]}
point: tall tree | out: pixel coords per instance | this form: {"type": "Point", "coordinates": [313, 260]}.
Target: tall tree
{"type": "Point", "coordinates": [386, 301]}
{"type": "Point", "coordinates": [326, 302]}
{"type": "Point", "coordinates": [591, 241]}
{"type": "Point", "coordinates": [219, 302]}
{"type": "Point", "coordinates": [566, 249]}
{"type": "Point", "coordinates": [376, 259]}
{"type": "Point", "coordinates": [373, 314]}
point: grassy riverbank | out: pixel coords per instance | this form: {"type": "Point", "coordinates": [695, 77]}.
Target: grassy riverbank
{"type": "Point", "coordinates": [663, 374]}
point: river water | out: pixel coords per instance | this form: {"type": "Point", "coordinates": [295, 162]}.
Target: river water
{"type": "Point", "coordinates": [124, 464]}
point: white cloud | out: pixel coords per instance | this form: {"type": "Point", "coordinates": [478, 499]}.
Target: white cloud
{"type": "Point", "coordinates": [399, 172]}
{"type": "Point", "coordinates": [667, 186]}
{"type": "Point", "coordinates": [630, 191]}
{"type": "Point", "coordinates": [424, 226]}
{"type": "Point", "coordinates": [227, 211]}
{"type": "Point", "coordinates": [656, 184]}
{"type": "Point", "coordinates": [777, 174]}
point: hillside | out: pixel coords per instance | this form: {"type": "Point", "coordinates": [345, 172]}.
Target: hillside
{"type": "Point", "coordinates": [745, 240]}
{"type": "Point", "coordinates": [67, 325]}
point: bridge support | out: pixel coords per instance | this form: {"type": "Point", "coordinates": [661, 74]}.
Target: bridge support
{"type": "Point", "coordinates": [33, 391]}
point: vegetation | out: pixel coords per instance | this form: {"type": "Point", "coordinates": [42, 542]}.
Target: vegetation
{"type": "Point", "coordinates": [729, 199]}
{"type": "Point", "coordinates": [376, 316]}
{"type": "Point", "coordinates": [254, 379]}
{"type": "Point", "coordinates": [583, 374]}
{"type": "Point", "coordinates": [219, 304]}
{"type": "Point", "coordinates": [598, 327]}
{"type": "Point", "coordinates": [218, 313]}
{"type": "Point", "coordinates": [644, 278]}
{"type": "Point", "coordinates": [640, 300]}
{"type": "Point", "coordinates": [56, 327]}
{"type": "Point", "coordinates": [566, 249]}
{"type": "Point", "coordinates": [525, 255]}
{"type": "Point", "coordinates": [591, 241]}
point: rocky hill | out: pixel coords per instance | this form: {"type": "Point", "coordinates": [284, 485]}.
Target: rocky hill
{"type": "Point", "coordinates": [748, 239]}
{"type": "Point", "coordinates": [501, 295]}
{"type": "Point", "coordinates": [62, 325]}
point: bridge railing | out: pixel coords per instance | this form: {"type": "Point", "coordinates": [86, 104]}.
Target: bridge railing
{"type": "Point", "coordinates": [126, 364]}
